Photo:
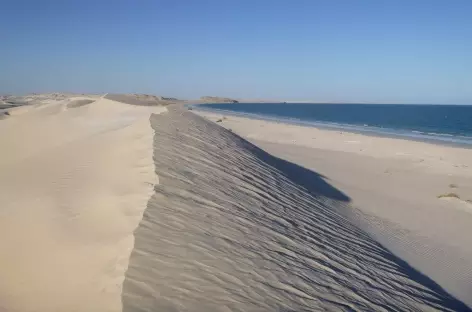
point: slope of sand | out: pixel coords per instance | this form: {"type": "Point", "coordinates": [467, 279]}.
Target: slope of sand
{"type": "Point", "coordinates": [76, 174]}
{"type": "Point", "coordinates": [393, 185]}
{"type": "Point", "coordinates": [233, 228]}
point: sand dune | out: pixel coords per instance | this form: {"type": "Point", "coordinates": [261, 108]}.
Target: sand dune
{"type": "Point", "coordinates": [232, 228]}
{"type": "Point", "coordinates": [75, 178]}
{"type": "Point", "coordinates": [107, 206]}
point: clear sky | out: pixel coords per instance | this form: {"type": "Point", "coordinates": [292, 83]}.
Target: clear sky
{"type": "Point", "coordinates": [403, 51]}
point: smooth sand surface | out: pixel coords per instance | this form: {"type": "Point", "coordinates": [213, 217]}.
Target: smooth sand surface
{"type": "Point", "coordinates": [393, 187]}
{"type": "Point", "coordinates": [76, 174]}
{"type": "Point", "coordinates": [233, 228]}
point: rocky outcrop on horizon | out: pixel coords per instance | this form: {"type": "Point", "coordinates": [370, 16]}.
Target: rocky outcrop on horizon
{"type": "Point", "coordinates": [143, 99]}
{"type": "Point", "coordinates": [217, 99]}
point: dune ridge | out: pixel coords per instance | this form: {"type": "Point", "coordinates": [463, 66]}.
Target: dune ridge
{"type": "Point", "coordinates": [76, 176]}
{"type": "Point", "coordinates": [231, 227]}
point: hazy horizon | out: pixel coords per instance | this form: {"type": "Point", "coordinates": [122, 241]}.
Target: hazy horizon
{"type": "Point", "coordinates": [318, 51]}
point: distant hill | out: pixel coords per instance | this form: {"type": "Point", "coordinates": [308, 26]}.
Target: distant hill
{"type": "Point", "coordinates": [217, 99]}
{"type": "Point", "coordinates": [143, 99]}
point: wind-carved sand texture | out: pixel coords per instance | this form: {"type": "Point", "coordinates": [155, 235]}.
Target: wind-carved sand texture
{"type": "Point", "coordinates": [232, 228]}
{"type": "Point", "coordinates": [394, 187]}
{"type": "Point", "coordinates": [76, 175]}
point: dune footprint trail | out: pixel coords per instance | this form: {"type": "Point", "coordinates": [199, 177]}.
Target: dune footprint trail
{"type": "Point", "coordinates": [232, 228]}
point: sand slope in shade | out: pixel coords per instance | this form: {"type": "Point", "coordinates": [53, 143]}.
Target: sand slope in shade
{"type": "Point", "coordinates": [393, 185]}
{"type": "Point", "coordinates": [232, 228]}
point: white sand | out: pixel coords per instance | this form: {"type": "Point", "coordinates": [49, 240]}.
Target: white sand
{"type": "Point", "coordinates": [229, 227]}
{"type": "Point", "coordinates": [393, 185]}
{"type": "Point", "coordinates": [76, 175]}
{"type": "Point", "coordinates": [232, 228]}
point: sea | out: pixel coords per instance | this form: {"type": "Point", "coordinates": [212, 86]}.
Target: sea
{"type": "Point", "coordinates": [446, 124]}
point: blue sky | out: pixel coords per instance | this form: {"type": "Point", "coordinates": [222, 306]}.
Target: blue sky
{"type": "Point", "coordinates": [404, 51]}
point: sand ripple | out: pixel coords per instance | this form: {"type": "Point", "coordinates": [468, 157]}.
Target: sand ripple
{"type": "Point", "coordinates": [232, 228]}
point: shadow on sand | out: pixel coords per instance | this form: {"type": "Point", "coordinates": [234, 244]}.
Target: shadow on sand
{"type": "Point", "coordinates": [315, 184]}
{"type": "Point", "coordinates": [311, 181]}
{"type": "Point", "coordinates": [197, 233]}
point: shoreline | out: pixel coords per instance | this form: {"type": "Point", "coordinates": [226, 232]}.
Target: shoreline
{"type": "Point", "coordinates": [408, 135]}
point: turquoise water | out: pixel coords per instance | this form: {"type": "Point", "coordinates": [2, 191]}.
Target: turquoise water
{"type": "Point", "coordinates": [438, 123]}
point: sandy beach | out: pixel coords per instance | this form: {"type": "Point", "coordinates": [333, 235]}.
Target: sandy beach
{"type": "Point", "coordinates": [114, 203]}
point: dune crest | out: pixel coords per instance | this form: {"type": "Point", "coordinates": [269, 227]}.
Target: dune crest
{"type": "Point", "coordinates": [76, 177]}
